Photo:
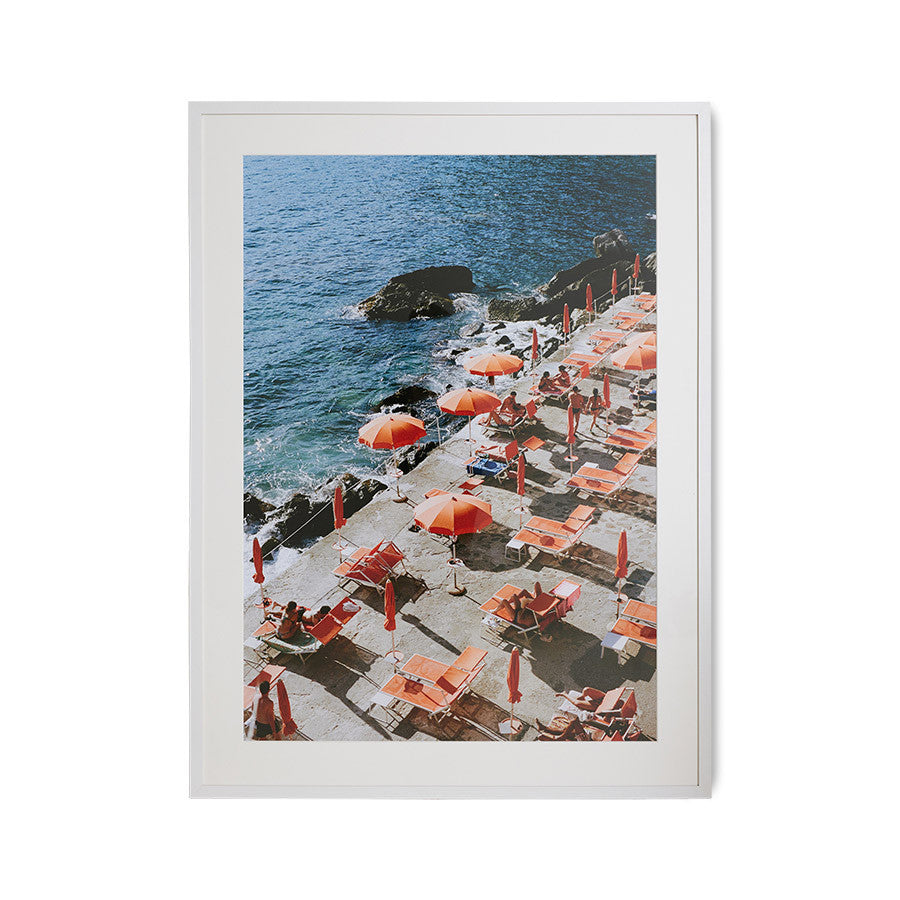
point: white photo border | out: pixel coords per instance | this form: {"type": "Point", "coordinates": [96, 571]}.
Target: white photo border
{"type": "Point", "coordinates": [678, 764]}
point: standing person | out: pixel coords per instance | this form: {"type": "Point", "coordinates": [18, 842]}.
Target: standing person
{"type": "Point", "coordinates": [576, 401]}
{"type": "Point", "coordinates": [264, 724]}
{"type": "Point", "coordinates": [594, 406]}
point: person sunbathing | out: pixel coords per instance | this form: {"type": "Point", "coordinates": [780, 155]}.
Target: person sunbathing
{"type": "Point", "coordinates": [517, 605]}
{"type": "Point", "coordinates": [508, 412]}
{"type": "Point", "coordinates": [588, 700]}
{"type": "Point", "coordinates": [562, 380]}
{"type": "Point", "coordinates": [310, 619]}
{"type": "Point", "coordinates": [561, 728]}
{"type": "Point", "coordinates": [266, 724]}
{"type": "Point", "coordinates": [547, 385]}
{"type": "Point", "coordinates": [291, 620]}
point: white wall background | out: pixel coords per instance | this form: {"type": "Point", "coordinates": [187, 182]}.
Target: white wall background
{"type": "Point", "coordinates": [95, 371]}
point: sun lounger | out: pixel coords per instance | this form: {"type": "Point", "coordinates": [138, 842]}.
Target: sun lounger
{"type": "Point", "coordinates": [547, 608]}
{"type": "Point", "coordinates": [512, 422]}
{"type": "Point", "coordinates": [604, 341]}
{"type": "Point", "coordinates": [628, 319]}
{"type": "Point", "coordinates": [642, 634]}
{"type": "Point", "coordinates": [429, 671]}
{"type": "Point", "coordinates": [371, 567]}
{"type": "Point", "coordinates": [574, 525]}
{"type": "Point", "coordinates": [642, 613]}
{"type": "Point", "coordinates": [308, 640]}
{"type": "Point", "coordinates": [436, 697]}
{"type": "Point", "coordinates": [493, 460]}
{"type": "Point", "coordinates": [629, 439]}
{"type": "Point", "coordinates": [605, 481]}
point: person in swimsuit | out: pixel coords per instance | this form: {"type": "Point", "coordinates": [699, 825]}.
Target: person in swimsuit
{"type": "Point", "coordinates": [508, 412]}
{"type": "Point", "coordinates": [267, 724]}
{"type": "Point", "coordinates": [547, 385]}
{"type": "Point", "coordinates": [594, 407]}
{"type": "Point", "coordinates": [517, 605]}
{"type": "Point", "coordinates": [310, 619]}
{"type": "Point", "coordinates": [291, 620]}
{"type": "Point", "coordinates": [576, 401]}
{"type": "Point", "coordinates": [562, 380]}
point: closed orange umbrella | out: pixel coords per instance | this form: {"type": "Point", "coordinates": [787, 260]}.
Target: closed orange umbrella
{"type": "Point", "coordinates": [339, 520]}
{"type": "Point", "coordinates": [493, 364]}
{"type": "Point", "coordinates": [389, 433]}
{"type": "Point", "coordinates": [390, 615]}
{"type": "Point", "coordinates": [615, 284]}
{"type": "Point", "coordinates": [535, 355]}
{"type": "Point", "coordinates": [570, 438]}
{"type": "Point", "coordinates": [284, 707]}
{"type": "Point", "coordinates": [589, 300]}
{"type": "Point", "coordinates": [637, 266]}
{"type": "Point", "coordinates": [606, 401]}
{"type": "Point", "coordinates": [566, 320]}
{"type": "Point", "coordinates": [621, 566]}
{"type": "Point", "coordinates": [520, 485]}
{"type": "Point", "coordinates": [258, 576]}
{"type": "Point", "coordinates": [452, 515]}
{"type": "Point", "coordinates": [511, 726]}
{"type": "Point", "coordinates": [635, 357]}
{"type": "Point", "coordinates": [468, 402]}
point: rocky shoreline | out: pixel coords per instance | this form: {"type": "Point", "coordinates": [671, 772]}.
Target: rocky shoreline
{"type": "Point", "coordinates": [305, 517]}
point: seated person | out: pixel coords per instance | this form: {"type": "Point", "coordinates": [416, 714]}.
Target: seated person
{"type": "Point", "coordinates": [291, 621]}
{"type": "Point", "coordinates": [562, 380]}
{"type": "Point", "coordinates": [310, 619]}
{"type": "Point", "coordinates": [517, 605]}
{"type": "Point", "coordinates": [265, 724]}
{"type": "Point", "coordinates": [547, 385]}
{"type": "Point", "coordinates": [509, 411]}
{"type": "Point", "coordinates": [588, 700]}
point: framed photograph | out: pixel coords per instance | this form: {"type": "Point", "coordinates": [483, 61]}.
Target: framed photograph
{"type": "Point", "coordinates": [450, 474]}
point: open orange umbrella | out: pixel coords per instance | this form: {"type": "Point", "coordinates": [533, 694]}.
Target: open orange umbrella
{"type": "Point", "coordinates": [642, 339]}
{"type": "Point", "coordinates": [634, 357]}
{"type": "Point", "coordinates": [468, 402]}
{"type": "Point", "coordinates": [511, 726]}
{"type": "Point", "coordinates": [493, 364]}
{"type": "Point", "coordinates": [453, 515]}
{"type": "Point", "coordinates": [390, 615]}
{"type": "Point", "coordinates": [284, 707]}
{"type": "Point", "coordinates": [621, 565]}
{"type": "Point", "coordinates": [389, 433]}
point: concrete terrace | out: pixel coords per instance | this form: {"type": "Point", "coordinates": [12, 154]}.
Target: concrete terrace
{"type": "Point", "coordinates": [331, 692]}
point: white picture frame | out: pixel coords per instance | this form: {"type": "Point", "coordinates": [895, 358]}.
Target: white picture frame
{"type": "Point", "coordinates": [678, 763]}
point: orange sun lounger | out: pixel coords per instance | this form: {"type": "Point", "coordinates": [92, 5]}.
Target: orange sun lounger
{"type": "Point", "coordinates": [642, 613]}
{"type": "Point", "coordinates": [311, 639]}
{"type": "Point", "coordinates": [436, 697]}
{"type": "Point", "coordinates": [629, 319]}
{"type": "Point", "coordinates": [605, 340]}
{"type": "Point", "coordinates": [629, 439]}
{"type": "Point", "coordinates": [546, 608]}
{"type": "Point", "coordinates": [643, 634]}
{"type": "Point", "coordinates": [371, 567]}
{"type": "Point", "coordinates": [605, 481]}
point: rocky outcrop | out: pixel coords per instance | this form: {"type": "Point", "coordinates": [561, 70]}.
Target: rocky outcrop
{"type": "Point", "coordinates": [422, 294]}
{"type": "Point", "coordinates": [406, 398]}
{"type": "Point", "coordinates": [613, 252]}
{"type": "Point", "coordinates": [256, 510]}
{"type": "Point", "coordinates": [471, 329]}
{"type": "Point", "coordinates": [304, 518]}
{"type": "Point", "coordinates": [613, 245]}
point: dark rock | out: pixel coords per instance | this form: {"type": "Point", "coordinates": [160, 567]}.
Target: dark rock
{"type": "Point", "coordinates": [304, 518]}
{"type": "Point", "coordinates": [612, 246]}
{"type": "Point", "coordinates": [407, 397]}
{"type": "Point", "coordinates": [419, 295]}
{"type": "Point", "coordinates": [503, 340]}
{"type": "Point", "coordinates": [255, 510]}
{"type": "Point", "coordinates": [471, 329]}
{"type": "Point", "coordinates": [549, 347]}
{"type": "Point", "coordinates": [410, 457]}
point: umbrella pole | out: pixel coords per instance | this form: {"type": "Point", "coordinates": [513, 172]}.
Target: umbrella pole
{"type": "Point", "coordinates": [399, 498]}
{"type": "Point", "coordinates": [456, 590]}
{"type": "Point", "coordinates": [393, 652]}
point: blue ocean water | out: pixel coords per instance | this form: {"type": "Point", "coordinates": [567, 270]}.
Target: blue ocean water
{"type": "Point", "coordinates": [322, 233]}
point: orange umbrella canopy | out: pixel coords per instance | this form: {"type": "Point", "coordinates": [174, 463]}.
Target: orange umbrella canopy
{"type": "Point", "coordinates": [468, 402]}
{"type": "Point", "coordinates": [493, 364]}
{"type": "Point", "coordinates": [390, 432]}
{"type": "Point", "coordinates": [642, 338]}
{"type": "Point", "coordinates": [453, 514]}
{"type": "Point", "coordinates": [634, 357]}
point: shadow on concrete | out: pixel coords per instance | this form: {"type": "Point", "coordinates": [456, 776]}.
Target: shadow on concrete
{"type": "Point", "coordinates": [486, 551]}
{"type": "Point", "coordinates": [417, 623]}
